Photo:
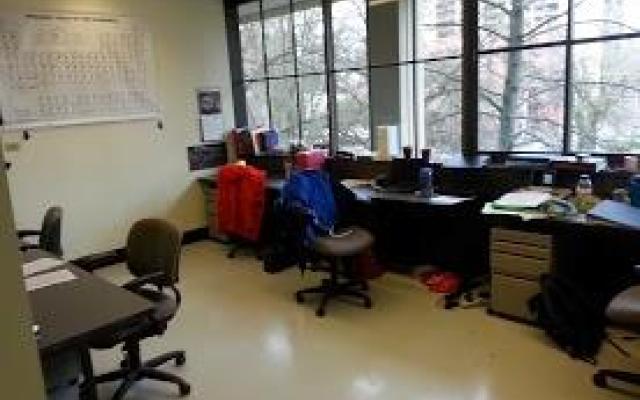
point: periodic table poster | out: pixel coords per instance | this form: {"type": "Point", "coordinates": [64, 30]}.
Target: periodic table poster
{"type": "Point", "coordinates": [61, 69]}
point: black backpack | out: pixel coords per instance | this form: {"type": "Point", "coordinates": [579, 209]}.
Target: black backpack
{"type": "Point", "coordinates": [570, 317]}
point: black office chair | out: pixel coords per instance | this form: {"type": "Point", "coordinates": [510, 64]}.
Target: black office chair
{"type": "Point", "coordinates": [334, 254]}
{"type": "Point", "coordinates": [623, 311]}
{"type": "Point", "coordinates": [49, 235]}
{"type": "Point", "coordinates": [153, 256]}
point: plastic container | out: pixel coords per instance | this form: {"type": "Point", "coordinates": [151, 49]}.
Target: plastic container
{"type": "Point", "coordinates": [584, 186]}
{"type": "Point", "coordinates": [425, 181]}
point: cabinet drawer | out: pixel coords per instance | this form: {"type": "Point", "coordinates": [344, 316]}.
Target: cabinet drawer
{"type": "Point", "coordinates": [518, 249]}
{"type": "Point", "coordinates": [509, 296]}
{"type": "Point", "coordinates": [524, 238]}
{"type": "Point", "coordinates": [519, 267]}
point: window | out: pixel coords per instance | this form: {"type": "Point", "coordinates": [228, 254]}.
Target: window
{"type": "Point", "coordinates": [250, 27]}
{"type": "Point", "coordinates": [352, 100]}
{"type": "Point", "coordinates": [313, 111]}
{"type": "Point", "coordinates": [349, 20]}
{"type": "Point", "coordinates": [521, 100]}
{"type": "Point", "coordinates": [283, 62]}
{"type": "Point", "coordinates": [309, 34]}
{"type": "Point", "coordinates": [257, 107]}
{"type": "Point", "coordinates": [441, 103]}
{"type": "Point", "coordinates": [521, 89]}
{"type": "Point", "coordinates": [278, 37]}
{"type": "Point", "coordinates": [284, 110]}
{"type": "Point", "coordinates": [552, 76]}
{"type": "Point", "coordinates": [439, 75]}
{"type": "Point", "coordinates": [605, 89]}
{"type": "Point", "coordinates": [514, 23]}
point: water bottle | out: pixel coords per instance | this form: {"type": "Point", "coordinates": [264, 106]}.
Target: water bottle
{"type": "Point", "coordinates": [584, 186]}
{"type": "Point", "coordinates": [425, 181]}
{"type": "Point", "coordinates": [634, 191]}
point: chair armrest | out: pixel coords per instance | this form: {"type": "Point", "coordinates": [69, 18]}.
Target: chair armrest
{"type": "Point", "coordinates": [155, 278]}
{"type": "Point", "coordinates": [28, 232]}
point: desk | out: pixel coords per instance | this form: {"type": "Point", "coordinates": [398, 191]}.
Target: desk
{"type": "Point", "coordinates": [595, 254]}
{"type": "Point", "coordinates": [72, 313]}
{"type": "Point", "coordinates": [411, 230]}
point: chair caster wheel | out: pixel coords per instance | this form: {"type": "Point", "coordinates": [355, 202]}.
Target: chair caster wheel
{"type": "Point", "coordinates": [368, 303]}
{"type": "Point", "coordinates": [320, 312]}
{"type": "Point", "coordinates": [185, 390]}
{"type": "Point", "coordinates": [181, 360]}
{"type": "Point", "coordinates": [600, 380]}
{"type": "Point", "coordinates": [299, 298]}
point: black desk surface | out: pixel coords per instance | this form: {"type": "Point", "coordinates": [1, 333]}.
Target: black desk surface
{"type": "Point", "coordinates": [272, 183]}
{"type": "Point", "coordinates": [367, 193]}
{"type": "Point", "coordinates": [71, 313]}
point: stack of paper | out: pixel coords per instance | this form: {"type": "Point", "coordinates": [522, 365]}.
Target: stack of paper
{"type": "Point", "coordinates": [48, 279]}
{"type": "Point", "coordinates": [522, 200]}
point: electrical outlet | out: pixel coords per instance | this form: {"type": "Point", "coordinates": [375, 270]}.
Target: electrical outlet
{"type": "Point", "coordinates": [12, 147]}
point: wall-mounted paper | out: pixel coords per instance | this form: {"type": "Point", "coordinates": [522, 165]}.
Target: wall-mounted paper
{"type": "Point", "coordinates": [210, 113]}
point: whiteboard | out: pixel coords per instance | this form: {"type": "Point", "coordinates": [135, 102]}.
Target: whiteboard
{"type": "Point", "coordinates": [62, 69]}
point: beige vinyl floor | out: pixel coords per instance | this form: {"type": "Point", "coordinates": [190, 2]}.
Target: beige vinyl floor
{"type": "Point", "coordinates": [247, 339]}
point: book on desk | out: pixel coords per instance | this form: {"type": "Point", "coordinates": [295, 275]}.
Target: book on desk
{"type": "Point", "coordinates": [618, 212]}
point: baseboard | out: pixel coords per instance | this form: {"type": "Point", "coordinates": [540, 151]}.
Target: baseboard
{"type": "Point", "coordinates": [107, 258]}
{"type": "Point", "coordinates": [195, 235]}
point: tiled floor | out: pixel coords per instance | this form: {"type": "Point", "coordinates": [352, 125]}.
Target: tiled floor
{"type": "Point", "coordinates": [246, 338]}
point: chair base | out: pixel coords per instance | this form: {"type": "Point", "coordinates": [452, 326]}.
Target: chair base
{"type": "Point", "coordinates": [331, 289]}
{"type": "Point", "coordinates": [601, 377]}
{"type": "Point", "coordinates": [133, 370]}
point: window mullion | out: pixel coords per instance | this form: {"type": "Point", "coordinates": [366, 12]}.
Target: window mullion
{"type": "Point", "coordinates": [329, 60]}
{"type": "Point", "coordinates": [294, 49]}
{"type": "Point", "coordinates": [568, 101]}
{"type": "Point", "coordinates": [469, 126]}
{"type": "Point", "coordinates": [264, 61]}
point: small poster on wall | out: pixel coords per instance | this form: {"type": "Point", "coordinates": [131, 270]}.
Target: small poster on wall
{"type": "Point", "coordinates": [210, 114]}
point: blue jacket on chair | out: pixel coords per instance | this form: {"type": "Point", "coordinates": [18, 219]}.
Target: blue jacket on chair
{"type": "Point", "coordinates": [310, 192]}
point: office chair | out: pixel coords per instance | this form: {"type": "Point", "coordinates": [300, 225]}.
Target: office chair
{"type": "Point", "coordinates": [339, 251]}
{"type": "Point", "coordinates": [333, 253]}
{"type": "Point", "coordinates": [623, 311]}
{"type": "Point", "coordinates": [49, 235]}
{"type": "Point", "coordinates": [153, 256]}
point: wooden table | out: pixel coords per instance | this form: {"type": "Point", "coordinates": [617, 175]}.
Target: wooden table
{"type": "Point", "coordinates": [71, 314]}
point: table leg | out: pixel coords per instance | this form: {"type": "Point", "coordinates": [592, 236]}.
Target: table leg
{"type": "Point", "coordinates": [88, 390]}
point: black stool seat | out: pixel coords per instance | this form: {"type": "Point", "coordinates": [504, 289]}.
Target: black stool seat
{"type": "Point", "coordinates": [347, 243]}
{"type": "Point", "coordinates": [340, 250]}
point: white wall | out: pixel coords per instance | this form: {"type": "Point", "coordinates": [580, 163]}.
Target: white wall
{"type": "Point", "coordinates": [105, 176]}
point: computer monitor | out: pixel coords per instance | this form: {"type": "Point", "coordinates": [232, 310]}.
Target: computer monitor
{"type": "Point", "coordinates": [406, 170]}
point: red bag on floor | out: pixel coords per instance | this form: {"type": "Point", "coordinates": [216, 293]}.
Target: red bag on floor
{"type": "Point", "coordinates": [441, 282]}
